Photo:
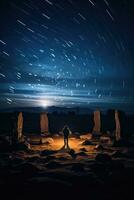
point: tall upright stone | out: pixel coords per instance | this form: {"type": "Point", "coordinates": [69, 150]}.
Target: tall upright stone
{"type": "Point", "coordinates": [44, 123]}
{"type": "Point", "coordinates": [118, 129]}
{"type": "Point", "coordinates": [97, 122]}
{"type": "Point", "coordinates": [20, 126]}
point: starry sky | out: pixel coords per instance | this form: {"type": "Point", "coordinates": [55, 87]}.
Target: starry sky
{"type": "Point", "coordinates": [67, 53]}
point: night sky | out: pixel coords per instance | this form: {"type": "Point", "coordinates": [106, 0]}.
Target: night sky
{"type": "Point", "coordinates": [67, 53]}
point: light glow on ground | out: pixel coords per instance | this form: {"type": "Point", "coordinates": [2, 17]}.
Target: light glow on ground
{"type": "Point", "coordinates": [58, 143]}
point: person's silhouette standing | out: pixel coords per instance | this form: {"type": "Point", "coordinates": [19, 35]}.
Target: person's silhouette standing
{"type": "Point", "coordinates": [66, 131]}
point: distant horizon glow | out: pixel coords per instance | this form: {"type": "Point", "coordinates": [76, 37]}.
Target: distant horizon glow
{"type": "Point", "coordinates": [45, 103]}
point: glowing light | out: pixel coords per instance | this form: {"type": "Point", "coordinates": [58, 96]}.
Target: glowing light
{"type": "Point", "coordinates": [45, 103]}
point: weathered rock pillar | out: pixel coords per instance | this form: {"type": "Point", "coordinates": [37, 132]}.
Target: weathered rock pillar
{"type": "Point", "coordinates": [97, 122]}
{"type": "Point", "coordinates": [44, 123]}
{"type": "Point", "coordinates": [20, 126]}
{"type": "Point", "coordinates": [117, 130]}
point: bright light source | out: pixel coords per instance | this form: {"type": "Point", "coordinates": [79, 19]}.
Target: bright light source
{"type": "Point", "coordinates": [45, 103]}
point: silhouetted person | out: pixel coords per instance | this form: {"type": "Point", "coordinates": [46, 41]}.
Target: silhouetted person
{"type": "Point", "coordinates": [66, 131]}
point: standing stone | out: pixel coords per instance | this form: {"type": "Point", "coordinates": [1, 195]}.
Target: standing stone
{"type": "Point", "coordinates": [117, 131]}
{"type": "Point", "coordinates": [19, 126]}
{"type": "Point", "coordinates": [44, 123]}
{"type": "Point", "coordinates": [97, 122]}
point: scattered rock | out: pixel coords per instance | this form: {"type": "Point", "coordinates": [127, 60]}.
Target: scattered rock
{"type": "Point", "coordinates": [83, 149]}
{"type": "Point", "coordinates": [72, 153]}
{"type": "Point", "coordinates": [63, 158]}
{"type": "Point", "coordinates": [86, 136]}
{"type": "Point", "coordinates": [33, 152]}
{"type": "Point", "coordinates": [87, 142]}
{"type": "Point", "coordinates": [47, 140]}
{"type": "Point", "coordinates": [49, 158]}
{"type": "Point", "coordinates": [105, 139]}
{"type": "Point", "coordinates": [47, 152]}
{"type": "Point", "coordinates": [99, 147]}
{"type": "Point", "coordinates": [34, 140]}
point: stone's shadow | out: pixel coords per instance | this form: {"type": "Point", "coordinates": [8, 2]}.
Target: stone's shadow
{"type": "Point", "coordinates": [64, 149]}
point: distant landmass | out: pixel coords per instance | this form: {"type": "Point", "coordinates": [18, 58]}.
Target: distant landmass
{"type": "Point", "coordinates": [50, 109]}
{"type": "Point", "coordinates": [61, 109]}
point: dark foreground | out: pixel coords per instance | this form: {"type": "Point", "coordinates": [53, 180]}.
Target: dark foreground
{"type": "Point", "coordinates": [83, 171]}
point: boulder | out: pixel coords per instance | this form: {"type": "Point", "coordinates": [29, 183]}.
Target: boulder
{"type": "Point", "coordinates": [87, 136]}
{"type": "Point", "coordinates": [72, 153]}
{"type": "Point", "coordinates": [83, 149]}
{"type": "Point", "coordinates": [47, 140]}
{"type": "Point", "coordinates": [87, 142]}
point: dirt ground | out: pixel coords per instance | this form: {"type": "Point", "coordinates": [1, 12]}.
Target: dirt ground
{"type": "Point", "coordinates": [88, 166]}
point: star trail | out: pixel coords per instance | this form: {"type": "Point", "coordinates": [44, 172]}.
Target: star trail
{"type": "Point", "coordinates": [67, 53]}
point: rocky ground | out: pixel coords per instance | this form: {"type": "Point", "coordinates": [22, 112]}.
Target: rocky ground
{"type": "Point", "coordinates": [93, 168]}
